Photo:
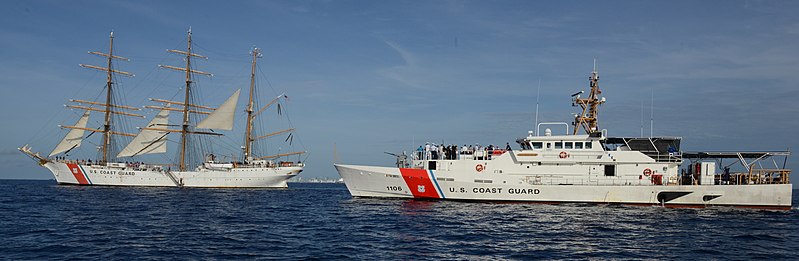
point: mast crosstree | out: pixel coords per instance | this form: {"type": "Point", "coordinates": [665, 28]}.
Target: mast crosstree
{"type": "Point", "coordinates": [249, 137]}
{"type": "Point", "coordinates": [185, 127]}
{"type": "Point", "coordinates": [152, 138]}
{"type": "Point", "coordinates": [110, 108]}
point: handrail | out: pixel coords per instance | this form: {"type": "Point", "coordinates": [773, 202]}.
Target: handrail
{"type": "Point", "coordinates": [538, 127]}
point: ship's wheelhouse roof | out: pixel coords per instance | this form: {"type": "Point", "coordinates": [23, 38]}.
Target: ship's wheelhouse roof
{"type": "Point", "coordinates": [732, 154]}
{"type": "Point", "coordinates": [559, 138]}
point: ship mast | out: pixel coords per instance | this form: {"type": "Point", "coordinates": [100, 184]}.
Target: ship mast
{"type": "Point", "coordinates": [248, 139]}
{"type": "Point", "coordinates": [587, 120]}
{"type": "Point", "coordinates": [185, 126]}
{"type": "Point", "coordinates": [108, 100]}
{"type": "Point", "coordinates": [107, 130]}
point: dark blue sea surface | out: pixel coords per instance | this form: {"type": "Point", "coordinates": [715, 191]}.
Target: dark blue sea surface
{"type": "Point", "coordinates": [42, 220]}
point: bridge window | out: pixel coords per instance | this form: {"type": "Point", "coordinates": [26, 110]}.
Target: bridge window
{"type": "Point", "coordinates": [558, 145]}
{"type": "Point", "coordinates": [568, 145]}
{"type": "Point", "coordinates": [578, 145]}
{"type": "Point", "coordinates": [538, 145]}
{"type": "Point", "coordinates": [588, 145]}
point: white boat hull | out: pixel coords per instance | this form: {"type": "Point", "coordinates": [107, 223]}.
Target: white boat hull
{"type": "Point", "coordinates": [388, 182]}
{"type": "Point", "coordinates": [82, 174]}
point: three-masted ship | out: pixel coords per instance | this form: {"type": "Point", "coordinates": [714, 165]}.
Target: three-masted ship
{"type": "Point", "coordinates": [110, 168]}
{"type": "Point", "coordinates": [581, 168]}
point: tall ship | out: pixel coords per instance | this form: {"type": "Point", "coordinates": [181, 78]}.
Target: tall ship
{"type": "Point", "coordinates": [584, 166]}
{"type": "Point", "coordinates": [193, 165]}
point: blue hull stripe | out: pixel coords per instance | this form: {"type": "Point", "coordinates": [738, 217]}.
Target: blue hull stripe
{"type": "Point", "coordinates": [435, 182]}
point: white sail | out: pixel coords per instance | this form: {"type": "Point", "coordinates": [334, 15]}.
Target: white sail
{"type": "Point", "coordinates": [149, 141]}
{"type": "Point", "coordinates": [222, 117]}
{"type": "Point", "coordinates": [74, 137]}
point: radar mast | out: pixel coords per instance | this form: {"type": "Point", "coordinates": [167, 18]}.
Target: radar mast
{"type": "Point", "coordinates": [587, 120]}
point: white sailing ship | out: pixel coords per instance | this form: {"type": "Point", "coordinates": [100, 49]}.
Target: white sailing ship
{"type": "Point", "coordinates": [109, 169]}
{"type": "Point", "coordinates": [581, 168]}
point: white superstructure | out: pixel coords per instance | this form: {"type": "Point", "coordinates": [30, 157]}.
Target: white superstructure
{"type": "Point", "coordinates": [588, 168]}
{"type": "Point", "coordinates": [110, 169]}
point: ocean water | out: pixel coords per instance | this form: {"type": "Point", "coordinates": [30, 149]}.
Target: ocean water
{"type": "Point", "coordinates": [42, 220]}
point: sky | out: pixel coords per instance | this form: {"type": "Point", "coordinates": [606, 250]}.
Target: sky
{"type": "Point", "coordinates": [367, 77]}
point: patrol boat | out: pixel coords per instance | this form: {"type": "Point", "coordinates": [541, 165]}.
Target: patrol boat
{"type": "Point", "coordinates": [109, 169]}
{"type": "Point", "coordinates": [583, 168]}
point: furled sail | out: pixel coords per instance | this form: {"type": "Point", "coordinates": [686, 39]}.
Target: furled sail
{"type": "Point", "coordinates": [74, 137]}
{"type": "Point", "coordinates": [149, 141]}
{"type": "Point", "coordinates": [222, 117]}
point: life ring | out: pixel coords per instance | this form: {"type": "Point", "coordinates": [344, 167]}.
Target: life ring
{"type": "Point", "coordinates": [563, 155]}
{"type": "Point", "coordinates": [479, 168]}
{"type": "Point", "coordinates": [647, 172]}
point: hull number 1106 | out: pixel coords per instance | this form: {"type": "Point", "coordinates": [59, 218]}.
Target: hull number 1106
{"type": "Point", "coordinates": [394, 188]}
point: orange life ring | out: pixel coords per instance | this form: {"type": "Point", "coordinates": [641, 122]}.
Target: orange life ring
{"type": "Point", "coordinates": [563, 155]}
{"type": "Point", "coordinates": [647, 172]}
{"type": "Point", "coordinates": [479, 168]}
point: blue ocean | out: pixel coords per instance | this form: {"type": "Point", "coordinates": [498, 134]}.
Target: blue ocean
{"type": "Point", "coordinates": [42, 220]}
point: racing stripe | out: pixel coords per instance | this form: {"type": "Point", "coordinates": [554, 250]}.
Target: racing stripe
{"type": "Point", "coordinates": [85, 174]}
{"type": "Point", "coordinates": [419, 183]}
{"type": "Point", "coordinates": [78, 173]}
{"type": "Point", "coordinates": [435, 182]}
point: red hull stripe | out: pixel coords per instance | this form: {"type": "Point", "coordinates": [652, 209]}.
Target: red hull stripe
{"type": "Point", "coordinates": [420, 183]}
{"type": "Point", "coordinates": [78, 173]}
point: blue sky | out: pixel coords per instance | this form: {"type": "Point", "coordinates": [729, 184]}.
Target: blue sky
{"type": "Point", "coordinates": [375, 76]}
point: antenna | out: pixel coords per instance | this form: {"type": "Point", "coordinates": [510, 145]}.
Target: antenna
{"type": "Point", "coordinates": [537, 97]}
{"type": "Point", "coordinates": [652, 114]}
{"type": "Point", "coordinates": [335, 154]}
{"type": "Point", "coordinates": [642, 119]}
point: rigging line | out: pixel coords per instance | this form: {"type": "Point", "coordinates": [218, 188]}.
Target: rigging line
{"type": "Point", "coordinates": [53, 117]}
{"type": "Point", "coordinates": [243, 57]}
{"type": "Point", "coordinates": [146, 77]}
{"type": "Point", "coordinates": [229, 142]}
{"type": "Point", "coordinates": [263, 75]}
{"type": "Point", "coordinates": [158, 86]}
{"type": "Point", "coordinates": [229, 147]}
{"type": "Point", "coordinates": [164, 57]}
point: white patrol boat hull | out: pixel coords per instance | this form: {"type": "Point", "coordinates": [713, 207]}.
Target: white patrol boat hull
{"type": "Point", "coordinates": [251, 177]}
{"type": "Point", "coordinates": [390, 182]}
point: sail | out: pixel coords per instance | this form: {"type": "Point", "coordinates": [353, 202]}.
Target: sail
{"type": "Point", "coordinates": [74, 137]}
{"type": "Point", "coordinates": [149, 141]}
{"type": "Point", "coordinates": [222, 117]}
